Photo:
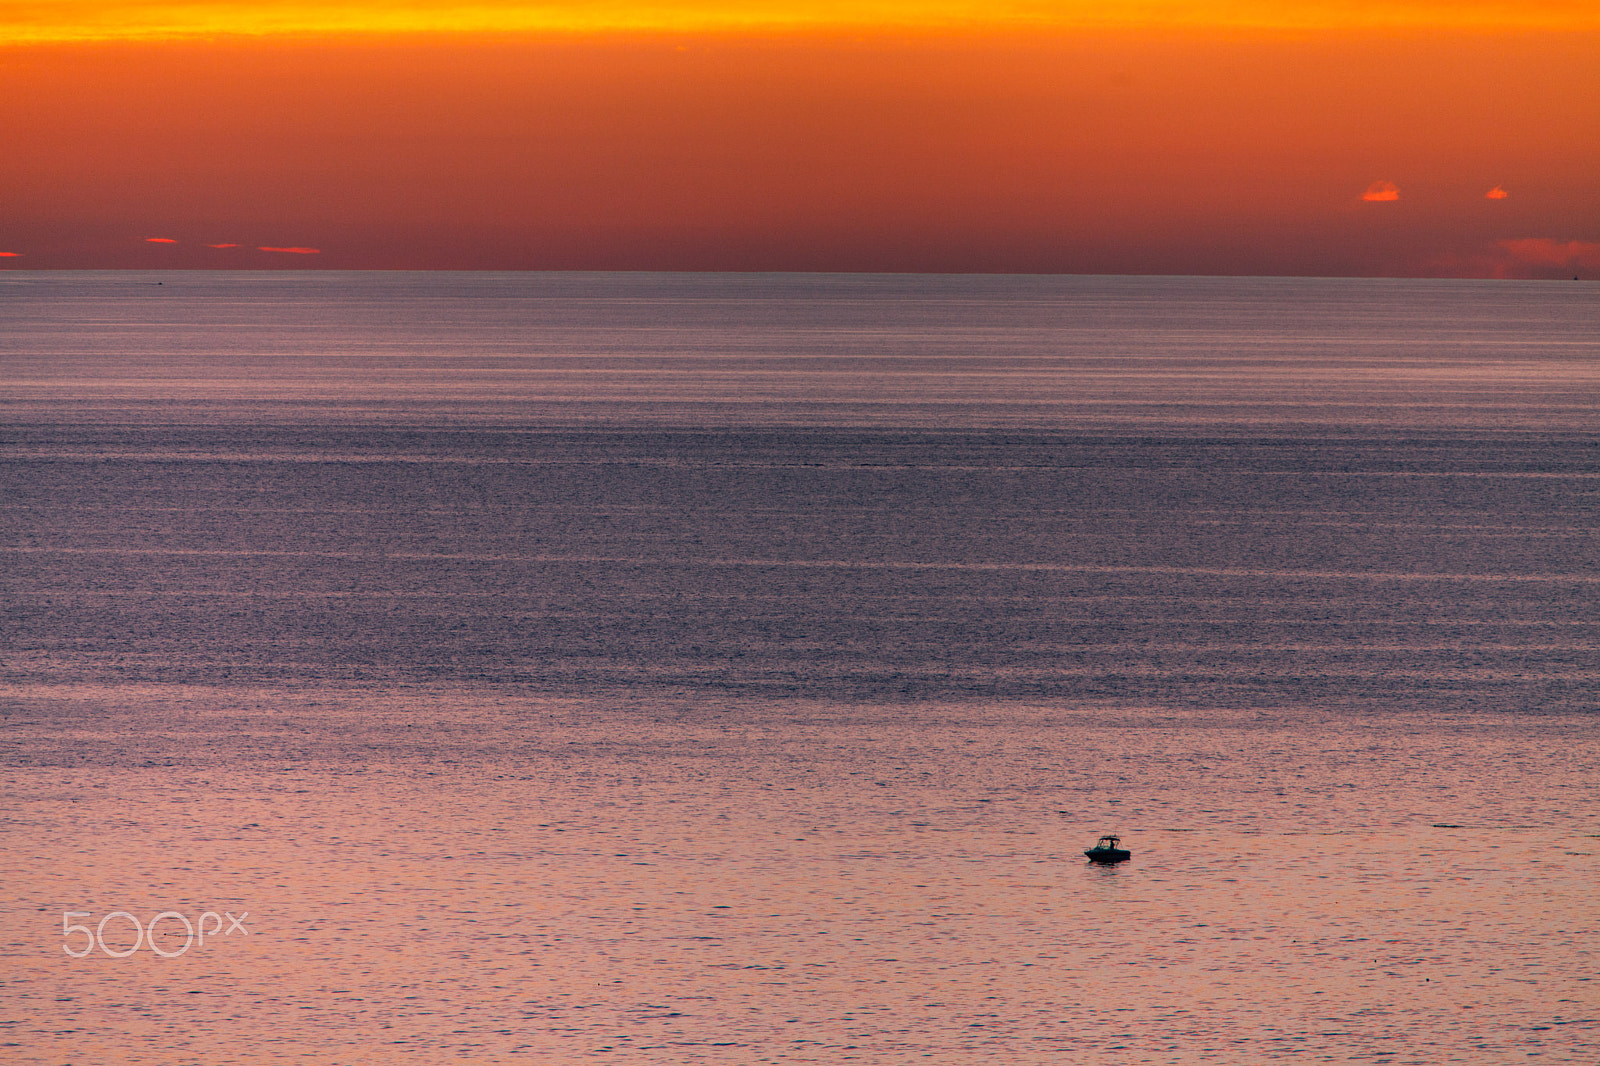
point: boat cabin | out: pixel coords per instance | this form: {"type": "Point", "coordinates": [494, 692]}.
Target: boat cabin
{"type": "Point", "coordinates": [1109, 849]}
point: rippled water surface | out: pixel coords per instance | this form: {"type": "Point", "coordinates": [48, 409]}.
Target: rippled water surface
{"type": "Point", "coordinates": [733, 669]}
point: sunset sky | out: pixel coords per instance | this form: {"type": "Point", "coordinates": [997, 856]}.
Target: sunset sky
{"type": "Point", "coordinates": [1367, 138]}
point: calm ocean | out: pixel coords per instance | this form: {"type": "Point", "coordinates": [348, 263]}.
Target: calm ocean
{"type": "Point", "coordinates": [733, 668]}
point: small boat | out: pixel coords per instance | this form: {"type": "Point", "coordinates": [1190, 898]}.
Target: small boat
{"type": "Point", "coordinates": [1108, 851]}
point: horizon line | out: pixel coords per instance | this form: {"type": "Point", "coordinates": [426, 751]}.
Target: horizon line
{"type": "Point", "coordinates": [19, 269]}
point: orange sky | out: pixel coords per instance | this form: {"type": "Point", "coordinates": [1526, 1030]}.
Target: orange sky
{"type": "Point", "coordinates": [1163, 137]}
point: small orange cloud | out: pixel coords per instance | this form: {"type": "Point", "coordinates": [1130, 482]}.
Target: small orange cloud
{"type": "Point", "coordinates": [1382, 190]}
{"type": "Point", "coordinates": [1496, 193]}
{"type": "Point", "coordinates": [160, 240]}
{"type": "Point", "coordinates": [222, 246]}
{"type": "Point", "coordinates": [9, 255]}
{"type": "Point", "coordinates": [294, 251]}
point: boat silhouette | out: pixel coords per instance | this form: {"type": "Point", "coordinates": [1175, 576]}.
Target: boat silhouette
{"type": "Point", "coordinates": [1107, 850]}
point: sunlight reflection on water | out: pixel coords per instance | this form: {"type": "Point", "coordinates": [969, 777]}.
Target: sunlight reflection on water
{"type": "Point", "coordinates": [445, 874]}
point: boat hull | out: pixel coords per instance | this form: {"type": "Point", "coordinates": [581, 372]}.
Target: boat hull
{"type": "Point", "coordinates": [1108, 854]}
